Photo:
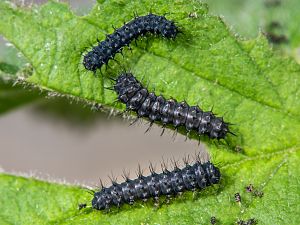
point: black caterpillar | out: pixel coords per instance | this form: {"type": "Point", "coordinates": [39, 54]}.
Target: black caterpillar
{"type": "Point", "coordinates": [167, 183]}
{"type": "Point", "coordinates": [123, 36]}
{"type": "Point", "coordinates": [146, 104]}
{"type": "Point", "coordinates": [247, 222]}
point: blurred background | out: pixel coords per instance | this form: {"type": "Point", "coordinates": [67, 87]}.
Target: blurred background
{"type": "Point", "coordinates": [57, 139]}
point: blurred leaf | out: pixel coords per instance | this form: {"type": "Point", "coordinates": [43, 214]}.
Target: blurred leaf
{"type": "Point", "coordinates": [12, 96]}
{"type": "Point", "coordinates": [72, 113]}
{"type": "Point", "coordinates": [206, 65]}
{"type": "Point", "coordinates": [278, 17]}
{"type": "Point", "coordinates": [10, 55]}
{"type": "Point", "coordinates": [8, 69]}
{"type": "Point", "coordinates": [246, 17]}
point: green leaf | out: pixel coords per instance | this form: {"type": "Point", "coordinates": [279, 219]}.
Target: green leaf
{"type": "Point", "coordinates": [206, 65]}
{"type": "Point", "coordinates": [29, 201]}
{"type": "Point", "coordinates": [8, 69]}
{"type": "Point", "coordinates": [276, 174]}
{"type": "Point", "coordinates": [11, 56]}
{"type": "Point", "coordinates": [245, 17]}
{"type": "Point", "coordinates": [248, 18]}
{"type": "Point", "coordinates": [12, 96]}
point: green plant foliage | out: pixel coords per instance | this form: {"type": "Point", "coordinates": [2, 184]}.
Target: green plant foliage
{"type": "Point", "coordinates": [12, 65]}
{"type": "Point", "coordinates": [12, 95]}
{"type": "Point", "coordinates": [11, 56]}
{"type": "Point", "coordinates": [248, 18]}
{"type": "Point", "coordinates": [6, 68]}
{"type": "Point", "coordinates": [29, 201]}
{"type": "Point", "coordinates": [206, 65]}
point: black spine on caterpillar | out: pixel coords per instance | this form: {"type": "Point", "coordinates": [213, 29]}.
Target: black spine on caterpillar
{"type": "Point", "coordinates": [123, 36]}
{"type": "Point", "coordinates": [146, 104]}
{"type": "Point", "coordinates": [167, 183]}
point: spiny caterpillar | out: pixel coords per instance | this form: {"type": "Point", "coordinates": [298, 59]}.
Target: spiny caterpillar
{"type": "Point", "coordinates": [251, 221]}
{"type": "Point", "coordinates": [237, 197]}
{"type": "Point", "coordinates": [146, 104]}
{"type": "Point", "coordinates": [168, 183]}
{"type": "Point", "coordinates": [123, 36]}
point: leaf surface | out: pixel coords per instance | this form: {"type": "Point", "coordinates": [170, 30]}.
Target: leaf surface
{"type": "Point", "coordinates": [12, 96]}
{"type": "Point", "coordinates": [248, 18]}
{"type": "Point", "coordinates": [206, 65]}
